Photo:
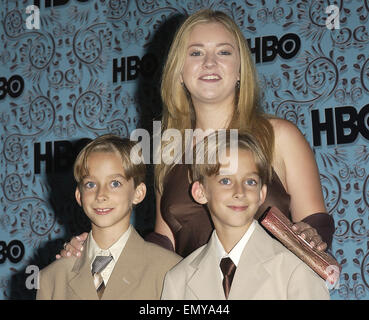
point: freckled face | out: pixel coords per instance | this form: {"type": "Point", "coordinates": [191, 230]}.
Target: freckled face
{"type": "Point", "coordinates": [212, 64]}
{"type": "Point", "coordinates": [106, 195]}
{"type": "Point", "coordinates": [234, 199]}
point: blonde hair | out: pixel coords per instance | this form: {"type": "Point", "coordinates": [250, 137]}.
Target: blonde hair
{"type": "Point", "coordinates": [111, 143]}
{"type": "Point", "coordinates": [245, 141]}
{"type": "Point", "coordinates": [178, 111]}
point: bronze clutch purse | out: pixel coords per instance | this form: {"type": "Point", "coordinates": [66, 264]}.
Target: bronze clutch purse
{"type": "Point", "coordinates": [280, 227]}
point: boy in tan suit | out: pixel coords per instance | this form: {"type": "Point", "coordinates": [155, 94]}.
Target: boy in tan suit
{"type": "Point", "coordinates": [240, 261]}
{"type": "Point", "coordinates": [116, 262]}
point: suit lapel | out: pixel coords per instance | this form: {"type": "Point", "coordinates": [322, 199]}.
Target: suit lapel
{"type": "Point", "coordinates": [206, 282]}
{"type": "Point", "coordinates": [127, 269]}
{"type": "Point", "coordinates": [82, 283]}
{"type": "Point", "coordinates": [251, 274]}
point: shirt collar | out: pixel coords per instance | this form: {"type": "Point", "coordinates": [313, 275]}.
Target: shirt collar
{"type": "Point", "coordinates": [236, 252]}
{"type": "Point", "coordinates": [115, 250]}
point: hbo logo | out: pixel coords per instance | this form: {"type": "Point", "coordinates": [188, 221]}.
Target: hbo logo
{"type": "Point", "coordinates": [13, 87]}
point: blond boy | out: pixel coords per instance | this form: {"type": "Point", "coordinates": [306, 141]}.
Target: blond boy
{"type": "Point", "coordinates": [116, 262]}
{"type": "Point", "coordinates": [240, 261]}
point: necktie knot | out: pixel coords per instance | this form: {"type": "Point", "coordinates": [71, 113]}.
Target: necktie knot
{"type": "Point", "coordinates": [228, 268]}
{"type": "Point", "coordinates": [100, 263]}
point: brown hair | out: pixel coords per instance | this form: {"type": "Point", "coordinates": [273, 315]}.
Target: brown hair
{"type": "Point", "coordinates": [245, 141]}
{"type": "Point", "coordinates": [178, 111]}
{"type": "Point", "coordinates": [111, 143]}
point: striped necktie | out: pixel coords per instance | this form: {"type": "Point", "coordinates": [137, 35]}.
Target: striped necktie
{"type": "Point", "coordinates": [98, 266]}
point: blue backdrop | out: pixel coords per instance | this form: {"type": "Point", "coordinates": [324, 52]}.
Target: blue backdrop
{"type": "Point", "coordinates": [93, 67]}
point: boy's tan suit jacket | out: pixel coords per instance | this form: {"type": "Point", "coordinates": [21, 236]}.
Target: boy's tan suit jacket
{"type": "Point", "coordinates": [266, 270]}
{"type": "Point", "coordinates": [138, 274]}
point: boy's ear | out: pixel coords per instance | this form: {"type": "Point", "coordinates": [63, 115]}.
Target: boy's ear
{"type": "Point", "coordinates": [198, 193]}
{"type": "Point", "coordinates": [263, 193]}
{"type": "Point", "coordinates": [78, 196]}
{"type": "Point", "coordinates": [140, 193]}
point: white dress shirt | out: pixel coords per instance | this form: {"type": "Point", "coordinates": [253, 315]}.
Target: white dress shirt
{"type": "Point", "coordinates": [236, 252]}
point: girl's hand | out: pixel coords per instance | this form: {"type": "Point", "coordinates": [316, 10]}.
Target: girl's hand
{"type": "Point", "coordinates": [310, 235]}
{"type": "Point", "coordinates": [74, 247]}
